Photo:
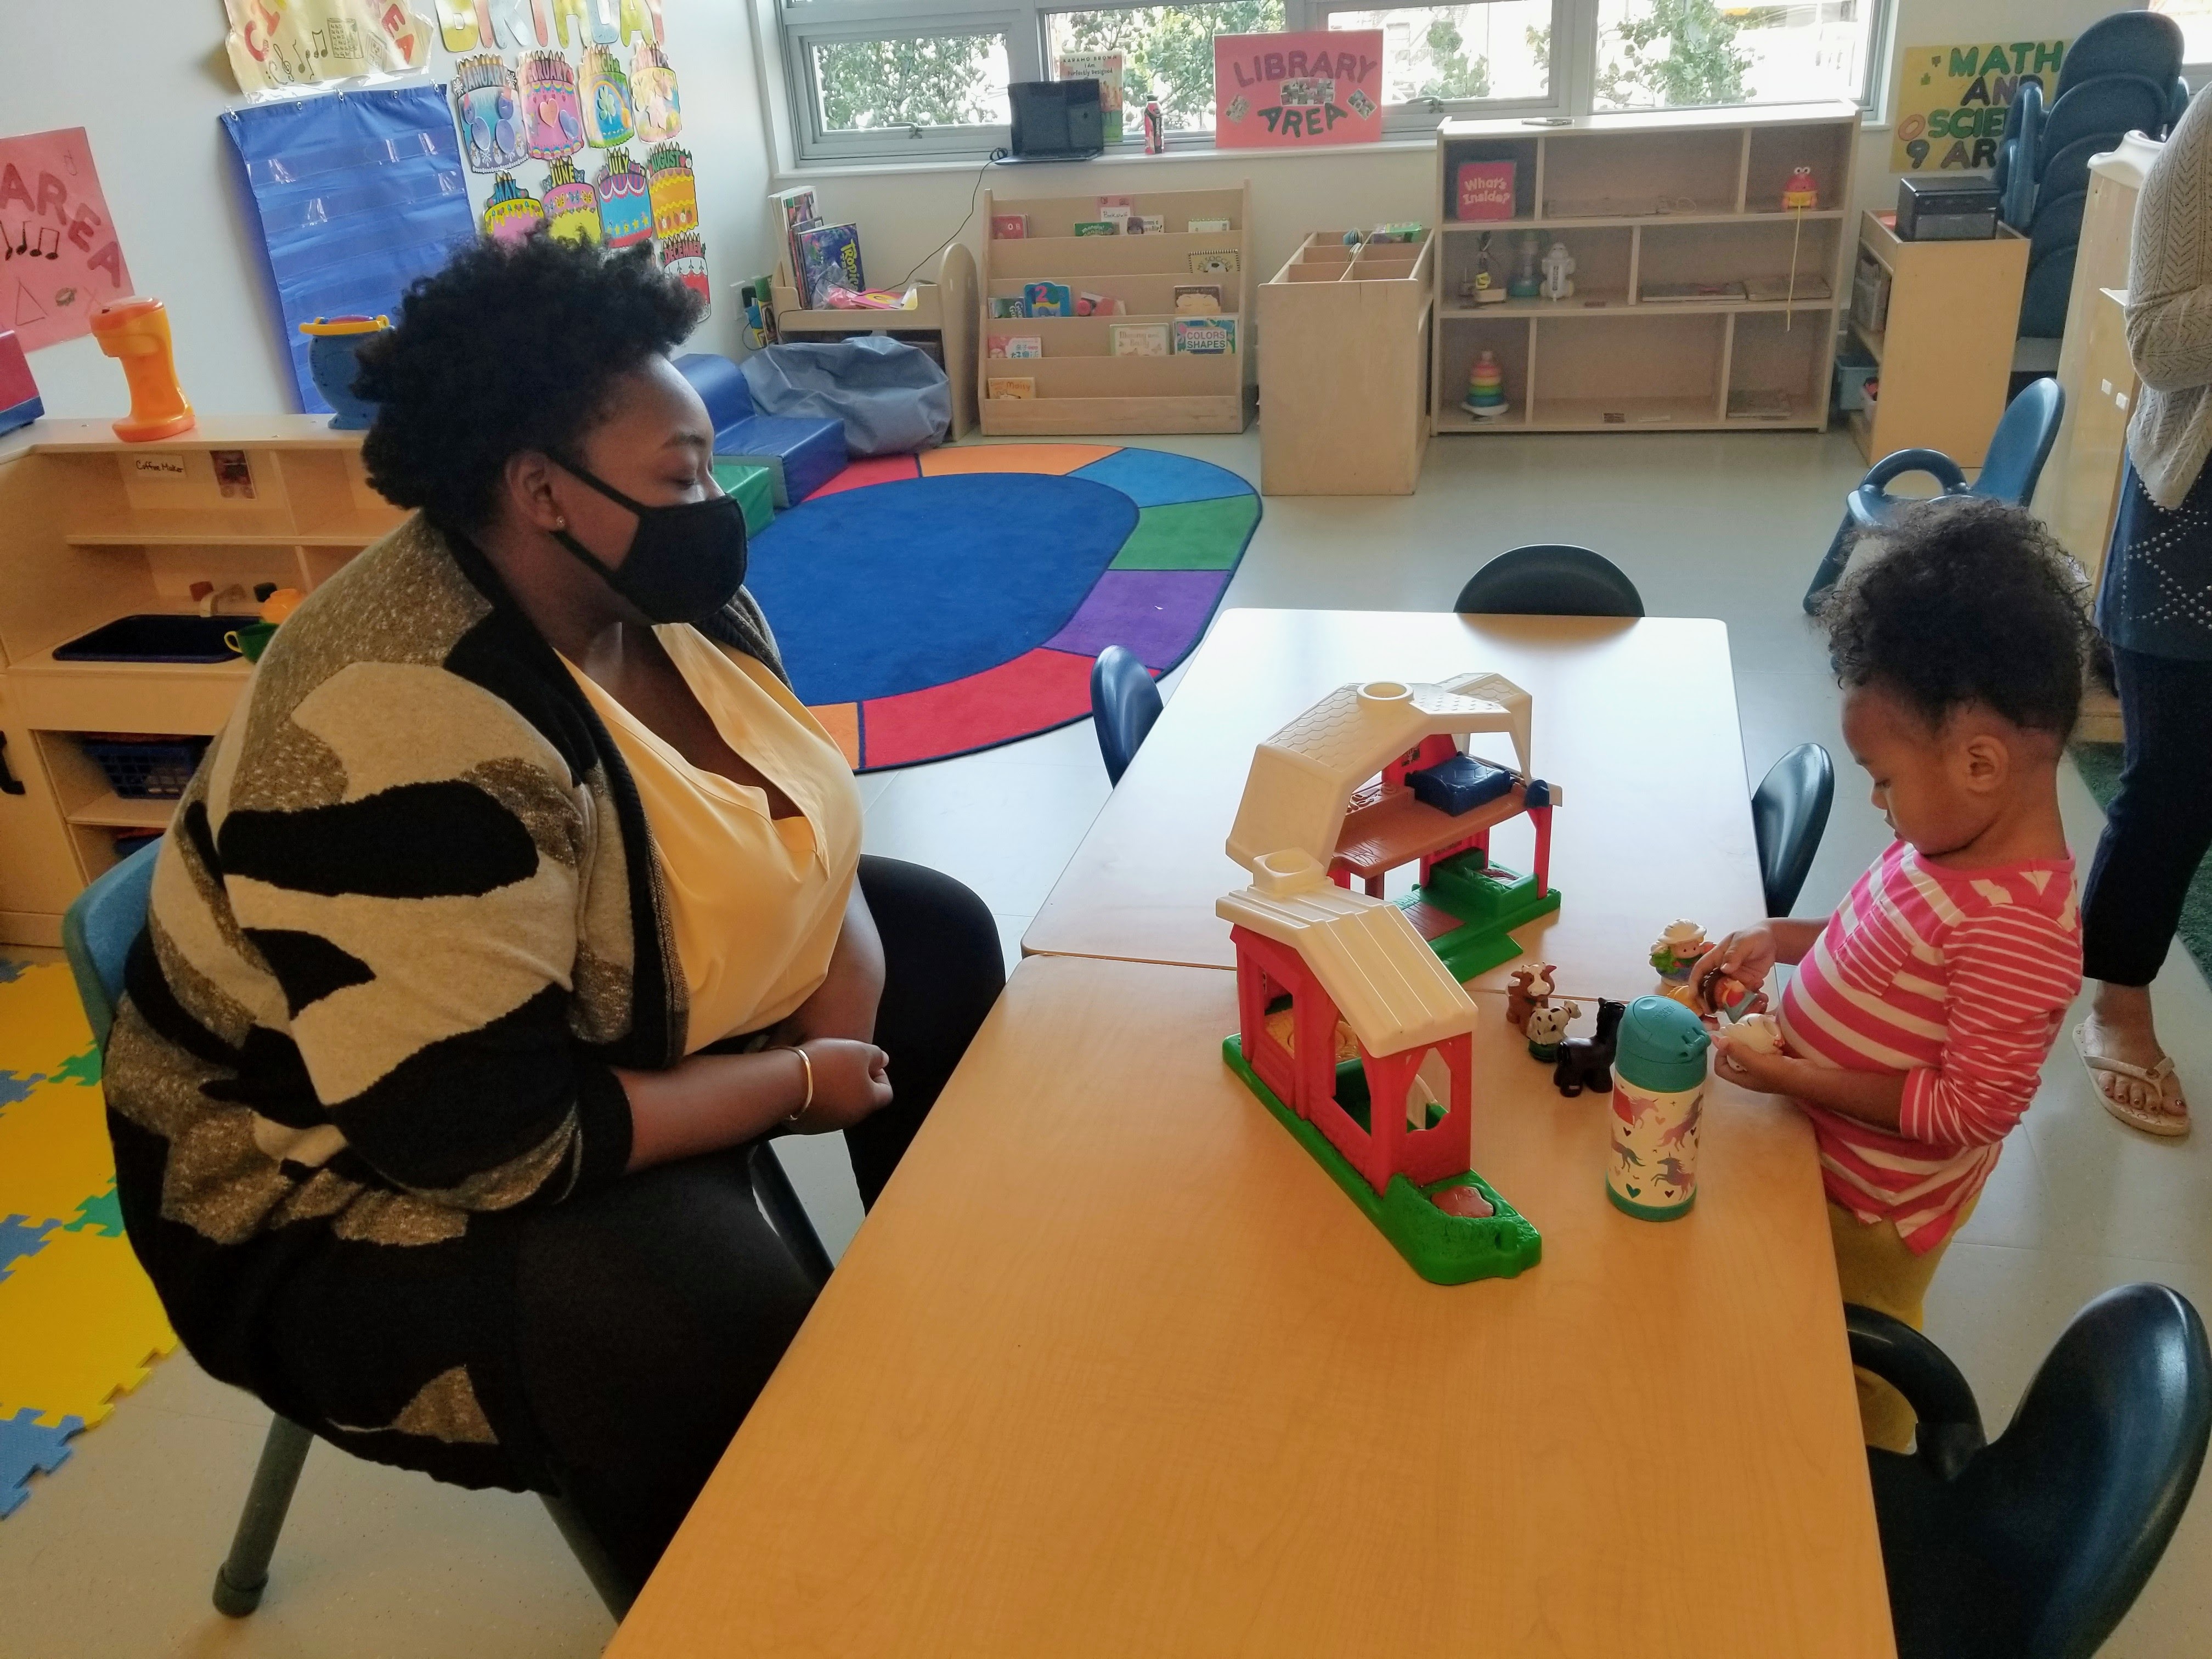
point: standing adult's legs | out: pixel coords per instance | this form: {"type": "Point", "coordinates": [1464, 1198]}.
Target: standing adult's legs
{"type": "Point", "coordinates": [943, 969]}
{"type": "Point", "coordinates": [2156, 833]}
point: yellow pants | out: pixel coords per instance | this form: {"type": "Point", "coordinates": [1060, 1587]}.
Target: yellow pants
{"type": "Point", "coordinates": [1878, 1270]}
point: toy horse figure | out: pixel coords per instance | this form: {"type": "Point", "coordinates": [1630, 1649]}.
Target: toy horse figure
{"type": "Point", "coordinates": [1528, 990]}
{"type": "Point", "coordinates": [1587, 1062]}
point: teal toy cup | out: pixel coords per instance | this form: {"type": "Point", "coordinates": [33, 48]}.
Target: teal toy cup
{"type": "Point", "coordinates": [1658, 1101]}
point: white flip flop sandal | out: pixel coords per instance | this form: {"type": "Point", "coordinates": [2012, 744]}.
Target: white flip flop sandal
{"type": "Point", "coordinates": [2159, 1077]}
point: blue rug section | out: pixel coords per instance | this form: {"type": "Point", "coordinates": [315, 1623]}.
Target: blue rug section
{"type": "Point", "coordinates": [903, 585]}
{"type": "Point", "coordinates": [26, 1449]}
{"type": "Point", "coordinates": [1150, 478]}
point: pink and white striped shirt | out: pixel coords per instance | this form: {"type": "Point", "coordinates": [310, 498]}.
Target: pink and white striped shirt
{"type": "Point", "coordinates": [1960, 980]}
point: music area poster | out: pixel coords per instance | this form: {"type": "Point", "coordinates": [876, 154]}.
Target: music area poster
{"type": "Point", "coordinates": [59, 256]}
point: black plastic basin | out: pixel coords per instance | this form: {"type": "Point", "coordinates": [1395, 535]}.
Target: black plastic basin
{"type": "Point", "coordinates": [153, 638]}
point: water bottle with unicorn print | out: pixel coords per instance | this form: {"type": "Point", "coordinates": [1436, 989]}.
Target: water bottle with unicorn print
{"type": "Point", "coordinates": [1658, 1101]}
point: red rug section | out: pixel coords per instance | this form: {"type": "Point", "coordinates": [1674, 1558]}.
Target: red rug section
{"type": "Point", "coordinates": [1037, 690]}
{"type": "Point", "coordinates": [872, 469]}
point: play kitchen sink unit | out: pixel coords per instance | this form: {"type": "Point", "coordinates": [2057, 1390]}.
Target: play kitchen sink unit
{"type": "Point", "coordinates": [127, 572]}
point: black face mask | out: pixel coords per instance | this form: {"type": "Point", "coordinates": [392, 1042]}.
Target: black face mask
{"type": "Point", "coordinates": [686, 562]}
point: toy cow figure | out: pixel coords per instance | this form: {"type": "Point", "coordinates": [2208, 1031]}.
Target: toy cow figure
{"type": "Point", "coordinates": [1526, 991]}
{"type": "Point", "coordinates": [1547, 1027]}
{"type": "Point", "coordinates": [1587, 1062]}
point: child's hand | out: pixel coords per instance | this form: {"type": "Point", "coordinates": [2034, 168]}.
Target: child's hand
{"type": "Point", "coordinates": [1770, 1074]}
{"type": "Point", "coordinates": [1748, 954]}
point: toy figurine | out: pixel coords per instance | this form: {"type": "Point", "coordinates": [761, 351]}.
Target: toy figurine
{"type": "Point", "coordinates": [1485, 388]}
{"type": "Point", "coordinates": [1587, 1062]}
{"type": "Point", "coordinates": [1760, 1033]}
{"type": "Point", "coordinates": [1558, 273]}
{"type": "Point", "coordinates": [1724, 995]}
{"type": "Point", "coordinates": [1677, 951]}
{"type": "Point", "coordinates": [1801, 194]}
{"type": "Point", "coordinates": [1486, 288]}
{"type": "Point", "coordinates": [1526, 283]}
{"type": "Point", "coordinates": [1156, 137]}
{"type": "Point", "coordinates": [1547, 1029]}
{"type": "Point", "coordinates": [135, 333]}
{"type": "Point", "coordinates": [1351, 238]}
{"type": "Point", "coordinates": [1527, 990]}
{"type": "Point", "coordinates": [331, 362]}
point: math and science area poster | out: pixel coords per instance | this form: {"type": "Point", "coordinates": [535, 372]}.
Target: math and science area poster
{"type": "Point", "coordinates": [1951, 102]}
{"type": "Point", "coordinates": [1285, 91]}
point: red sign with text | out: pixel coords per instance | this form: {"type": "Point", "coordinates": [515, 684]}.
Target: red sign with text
{"type": "Point", "coordinates": [1283, 91]}
{"type": "Point", "coordinates": [58, 255]}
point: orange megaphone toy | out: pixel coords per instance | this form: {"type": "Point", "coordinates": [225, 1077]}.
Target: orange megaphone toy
{"type": "Point", "coordinates": [135, 333]}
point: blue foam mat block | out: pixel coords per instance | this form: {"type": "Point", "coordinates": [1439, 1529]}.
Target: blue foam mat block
{"type": "Point", "coordinates": [26, 1449]}
{"type": "Point", "coordinates": [800, 455]}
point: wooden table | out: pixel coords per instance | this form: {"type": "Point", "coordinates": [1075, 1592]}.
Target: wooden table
{"type": "Point", "coordinates": [1635, 722]}
{"type": "Point", "coordinates": [1113, 1369]}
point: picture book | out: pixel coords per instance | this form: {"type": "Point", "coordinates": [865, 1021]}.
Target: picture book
{"type": "Point", "coordinates": [1023, 345]}
{"type": "Point", "coordinates": [1116, 207]}
{"type": "Point", "coordinates": [1690, 293]}
{"type": "Point", "coordinates": [1206, 224]}
{"type": "Point", "coordinates": [1098, 228]}
{"type": "Point", "coordinates": [1048, 300]}
{"type": "Point", "coordinates": [1206, 336]}
{"type": "Point", "coordinates": [1011, 386]}
{"type": "Point", "coordinates": [1485, 189]}
{"type": "Point", "coordinates": [1008, 226]}
{"type": "Point", "coordinates": [1139, 339]}
{"type": "Point", "coordinates": [1104, 68]}
{"type": "Point", "coordinates": [1009, 304]}
{"type": "Point", "coordinates": [1198, 299]}
{"type": "Point", "coordinates": [828, 257]}
{"type": "Point", "coordinates": [1224, 263]}
{"type": "Point", "coordinates": [1145, 224]}
{"type": "Point", "coordinates": [1092, 305]}
{"type": "Point", "coordinates": [795, 210]}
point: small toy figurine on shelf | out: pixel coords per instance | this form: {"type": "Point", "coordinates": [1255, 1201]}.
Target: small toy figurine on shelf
{"type": "Point", "coordinates": [1527, 990]}
{"type": "Point", "coordinates": [1587, 1062]}
{"type": "Point", "coordinates": [1558, 273]}
{"type": "Point", "coordinates": [1485, 388]}
{"type": "Point", "coordinates": [1547, 1029]}
{"type": "Point", "coordinates": [332, 363]}
{"type": "Point", "coordinates": [1156, 135]}
{"type": "Point", "coordinates": [1801, 194]}
{"type": "Point", "coordinates": [135, 333]}
{"type": "Point", "coordinates": [1677, 951]}
{"type": "Point", "coordinates": [1527, 281]}
{"type": "Point", "coordinates": [1351, 238]}
{"type": "Point", "coordinates": [1486, 287]}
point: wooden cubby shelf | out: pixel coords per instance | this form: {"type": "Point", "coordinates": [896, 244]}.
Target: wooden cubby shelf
{"type": "Point", "coordinates": [1647, 202]}
{"type": "Point", "coordinates": [1081, 386]}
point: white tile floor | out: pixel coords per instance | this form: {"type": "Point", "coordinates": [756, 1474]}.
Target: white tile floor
{"type": "Point", "coordinates": [113, 1556]}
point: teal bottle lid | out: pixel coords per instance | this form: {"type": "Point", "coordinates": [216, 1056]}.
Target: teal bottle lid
{"type": "Point", "coordinates": [1661, 1046]}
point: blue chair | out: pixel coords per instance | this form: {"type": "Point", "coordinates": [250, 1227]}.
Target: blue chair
{"type": "Point", "coordinates": [1124, 703]}
{"type": "Point", "coordinates": [2018, 449]}
{"type": "Point", "coordinates": [98, 931]}
{"type": "Point", "coordinates": [2035, 1546]}
{"type": "Point", "coordinates": [1789, 814]}
{"type": "Point", "coordinates": [1550, 580]}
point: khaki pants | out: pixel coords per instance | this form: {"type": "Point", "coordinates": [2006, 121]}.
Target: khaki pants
{"type": "Point", "coordinates": [1877, 1270]}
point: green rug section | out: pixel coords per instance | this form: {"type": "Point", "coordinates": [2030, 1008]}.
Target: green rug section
{"type": "Point", "coordinates": [2099, 765]}
{"type": "Point", "coordinates": [1444, 1250]}
{"type": "Point", "coordinates": [1189, 535]}
{"type": "Point", "coordinates": [1491, 900]}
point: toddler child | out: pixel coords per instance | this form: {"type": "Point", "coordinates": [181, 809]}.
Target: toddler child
{"type": "Point", "coordinates": [1922, 1010]}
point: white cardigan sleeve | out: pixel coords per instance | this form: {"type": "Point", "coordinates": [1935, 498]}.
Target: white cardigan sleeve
{"type": "Point", "coordinates": [2169, 271]}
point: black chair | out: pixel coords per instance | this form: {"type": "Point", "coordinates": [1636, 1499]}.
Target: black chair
{"type": "Point", "coordinates": [1789, 812]}
{"type": "Point", "coordinates": [1549, 580]}
{"type": "Point", "coordinates": [2035, 1546]}
{"type": "Point", "coordinates": [1124, 703]}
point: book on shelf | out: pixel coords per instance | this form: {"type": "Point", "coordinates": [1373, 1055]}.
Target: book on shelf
{"type": "Point", "coordinates": [1198, 299]}
{"type": "Point", "coordinates": [1011, 386]}
{"type": "Point", "coordinates": [1145, 224]}
{"type": "Point", "coordinates": [1008, 305]}
{"type": "Point", "coordinates": [1008, 226]}
{"type": "Point", "coordinates": [1016, 345]}
{"type": "Point", "coordinates": [1745, 403]}
{"type": "Point", "coordinates": [1223, 264]}
{"type": "Point", "coordinates": [1048, 300]}
{"type": "Point", "coordinates": [1139, 339]}
{"type": "Point", "coordinates": [1808, 286]}
{"type": "Point", "coordinates": [1098, 228]}
{"type": "Point", "coordinates": [1106, 69]}
{"type": "Point", "coordinates": [1485, 189]}
{"type": "Point", "coordinates": [1205, 336]}
{"type": "Point", "coordinates": [1117, 211]}
{"type": "Point", "coordinates": [1206, 224]}
{"type": "Point", "coordinates": [828, 257]}
{"type": "Point", "coordinates": [1653, 294]}
{"type": "Point", "coordinates": [795, 210]}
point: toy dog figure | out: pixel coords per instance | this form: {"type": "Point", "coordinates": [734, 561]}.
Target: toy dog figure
{"type": "Point", "coordinates": [1528, 990]}
{"type": "Point", "coordinates": [1587, 1062]}
{"type": "Point", "coordinates": [1547, 1027]}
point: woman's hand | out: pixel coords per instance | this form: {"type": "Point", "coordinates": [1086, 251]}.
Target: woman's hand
{"type": "Point", "coordinates": [851, 1080]}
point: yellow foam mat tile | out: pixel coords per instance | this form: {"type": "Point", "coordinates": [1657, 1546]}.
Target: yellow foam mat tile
{"type": "Point", "coordinates": [1056, 458]}
{"type": "Point", "coordinates": [54, 1151]}
{"type": "Point", "coordinates": [79, 1325]}
{"type": "Point", "coordinates": [41, 1022]}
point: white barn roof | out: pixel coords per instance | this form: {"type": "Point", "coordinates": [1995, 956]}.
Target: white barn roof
{"type": "Point", "coordinates": [1303, 777]}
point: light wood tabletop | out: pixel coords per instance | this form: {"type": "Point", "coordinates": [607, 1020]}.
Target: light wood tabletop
{"type": "Point", "coordinates": [1635, 722]}
{"type": "Point", "coordinates": [1113, 1369]}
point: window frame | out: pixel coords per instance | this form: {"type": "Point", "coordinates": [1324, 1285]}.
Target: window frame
{"type": "Point", "coordinates": [789, 30]}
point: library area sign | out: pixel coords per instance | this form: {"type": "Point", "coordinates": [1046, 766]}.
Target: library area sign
{"type": "Point", "coordinates": [1951, 102]}
{"type": "Point", "coordinates": [1285, 91]}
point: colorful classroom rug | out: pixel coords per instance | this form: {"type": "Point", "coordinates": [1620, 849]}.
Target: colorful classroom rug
{"type": "Point", "coordinates": [79, 1323]}
{"type": "Point", "coordinates": [938, 605]}
{"type": "Point", "coordinates": [2099, 765]}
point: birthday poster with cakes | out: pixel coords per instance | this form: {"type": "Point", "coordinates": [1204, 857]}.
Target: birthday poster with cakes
{"type": "Point", "coordinates": [575, 113]}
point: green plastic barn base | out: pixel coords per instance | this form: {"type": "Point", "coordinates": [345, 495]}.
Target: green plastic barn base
{"type": "Point", "coordinates": [1444, 1250]}
{"type": "Point", "coordinates": [1490, 902]}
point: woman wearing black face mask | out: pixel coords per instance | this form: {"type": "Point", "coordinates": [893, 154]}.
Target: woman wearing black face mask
{"type": "Point", "coordinates": [519, 898]}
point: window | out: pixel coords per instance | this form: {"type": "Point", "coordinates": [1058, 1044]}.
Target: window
{"type": "Point", "coordinates": [885, 79]}
{"type": "Point", "coordinates": [2195, 17]}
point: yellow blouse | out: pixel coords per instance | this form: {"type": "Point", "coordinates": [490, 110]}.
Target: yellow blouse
{"type": "Point", "coordinates": [756, 902]}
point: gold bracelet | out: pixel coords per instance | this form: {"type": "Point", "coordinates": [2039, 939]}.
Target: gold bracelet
{"type": "Point", "coordinates": [807, 1061]}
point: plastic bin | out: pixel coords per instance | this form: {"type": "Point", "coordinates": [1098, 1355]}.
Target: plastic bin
{"type": "Point", "coordinates": [1853, 370]}
{"type": "Point", "coordinates": [145, 769]}
{"type": "Point", "coordinates": [157, 637]}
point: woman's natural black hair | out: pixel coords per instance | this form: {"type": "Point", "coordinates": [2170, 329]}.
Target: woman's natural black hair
{"type": "Point", "coordinates": [1965, 600]}
{"type": "Point", "coordinates": [509, 347]}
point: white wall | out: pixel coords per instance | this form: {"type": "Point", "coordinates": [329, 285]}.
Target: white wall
{"type": "Point", "coordinates": [146, 79]}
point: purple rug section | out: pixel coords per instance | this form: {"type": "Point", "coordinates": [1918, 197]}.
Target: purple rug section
{"type": "Point", "coordinates": [1157, 614]}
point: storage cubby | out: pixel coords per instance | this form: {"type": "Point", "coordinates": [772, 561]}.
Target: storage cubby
{"type": "Point", "coordinates": [1080, 386]}
{"type": "Point", "coordinates": [1675, 223]}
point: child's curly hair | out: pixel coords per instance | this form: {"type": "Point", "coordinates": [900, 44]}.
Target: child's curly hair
{"type": "Point", "coordinates": [1965, 600]}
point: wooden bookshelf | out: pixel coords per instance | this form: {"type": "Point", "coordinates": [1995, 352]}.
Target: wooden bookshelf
{"type": "Point", "coordinates": [940, 323]}
{"type": "Point", "coordinates": [1682, 197]}
{"type": "Point", "coordinates": [99, 529]}
{"type": "Point", "coordinates": [1082, 388]}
